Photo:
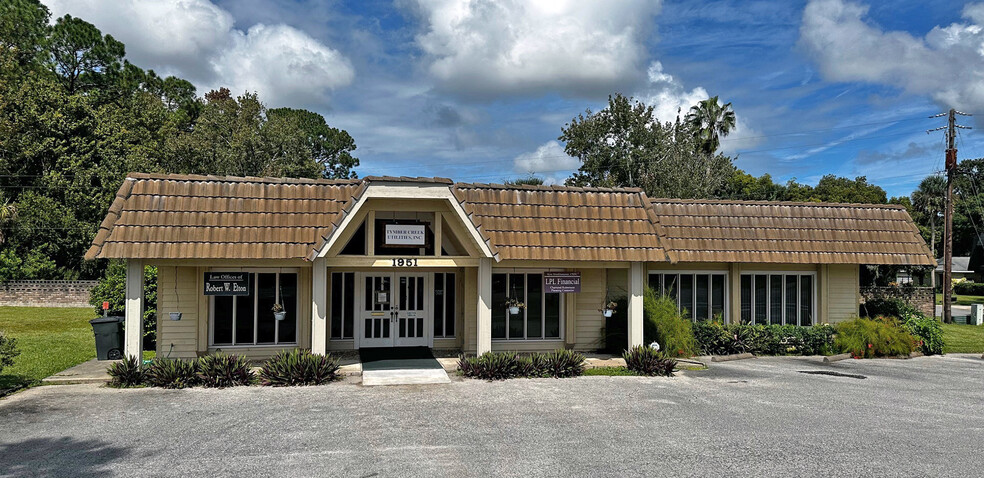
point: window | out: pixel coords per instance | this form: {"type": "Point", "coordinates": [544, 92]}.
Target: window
{"type": "Point", "coordinates": [342, 305]}
{"type": "Point", "coordinates": [540, 319]}
{"type": "Point", "coordinates": [700, 296]}
{"type": "Point", "coordinates": [444, 296]}
{"type": "Point", "coordinates": [777, 299]}
{"type": "Point", "coordinates": [249, 319]}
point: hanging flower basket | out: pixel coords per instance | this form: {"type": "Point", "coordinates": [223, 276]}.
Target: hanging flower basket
{"type": "Point", "coordinates": [514, 305]}
{"type": "Point", "coordinates": [607, 313]}
{"type": "Point", "coordinates": [609, 309]}
{"type": "Point", "coordinates": [278, 312]}
{"type": "Point", "coordinates": [174, 315]}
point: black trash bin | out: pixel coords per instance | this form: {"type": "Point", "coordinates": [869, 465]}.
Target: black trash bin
{"type": "Point", "coordinates": [109, 337]}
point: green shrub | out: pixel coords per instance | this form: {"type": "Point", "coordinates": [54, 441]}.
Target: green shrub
{"type": "Point", "coordinates": [928, 332]}
{"type": "Point", "coordinates": [8, 350]}
{"type": "Point", "coordinates": [492, 366]}
{"type": "Point", "coordinates": [564, 364]}
{"type": "Point", "coordinates": [503, 365]}
{"type": "Point", "coordinates": [714, 338]}
{"type": "Point", "coordinates": [126, 373]}
{"type": "Point", "coordinates": [171, 373]}
{"type": "Point", "coordinates": [876, 337]}
{"type": "Point", "coordinates": [889, 307]}
{"type": "Point", "coordinates": [644, 360]}
{"type": "Point", "coordinates": [299, 367]}
{"type": "Point", "coordinates": [969, 288]}
{"type": "Point", "coordinates": [664, 324]}
{"type": "Point", "coordinates": [221, 370]}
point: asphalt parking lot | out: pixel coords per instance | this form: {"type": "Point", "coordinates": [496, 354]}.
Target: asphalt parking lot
{"type": "Point", "coordinates": [762, 417]}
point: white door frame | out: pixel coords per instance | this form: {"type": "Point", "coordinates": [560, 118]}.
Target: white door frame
{"type": "Point", "coordinates": [394, 313]}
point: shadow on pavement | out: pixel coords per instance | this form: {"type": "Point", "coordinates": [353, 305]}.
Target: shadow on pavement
{"type": "Point", "coordinates": [58, 457]}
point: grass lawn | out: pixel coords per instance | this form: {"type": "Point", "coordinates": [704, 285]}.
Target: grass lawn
{"type": "Point", "coordinates": [609, 371]}
{"type": "Point", "coordinates": [49, 339]}
{"type": "Point", "coordinates": [962, 299]}
{"type": "Point", "coordinates": [963, 338]}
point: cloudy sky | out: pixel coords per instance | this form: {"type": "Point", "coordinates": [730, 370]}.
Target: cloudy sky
{"type": "Point", "coordinates": [478, 90]}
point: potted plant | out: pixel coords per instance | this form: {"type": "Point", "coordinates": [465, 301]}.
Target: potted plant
{"type": "Point", "coordinates": [609, 309]}
{"type": "Point", "coordinates": [278, 311]}
{"type": "Point", "coordinates": [514, 305]}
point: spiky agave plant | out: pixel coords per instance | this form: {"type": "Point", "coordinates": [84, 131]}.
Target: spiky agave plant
{"type": "Point", "coordinates": [491, 366]}
{"type": "Point", "coordinates": [647, 361]}
{"type": "Point", "coordinates": [564, 363]}
{"type": "Point", "coordinates": [171, 373]}
{"type": "Point", "coordinates": [126, 373]}
{"type": "Point", "coordinates": [221, 370]}
{"type": "Point", "coordinates": [299, 367]}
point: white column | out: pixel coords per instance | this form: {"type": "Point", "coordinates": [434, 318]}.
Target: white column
{"type": "Point", "coordinates": [319, 307]}
{"type": "Point", "coordinates": [484, 315]}
{"type": "Point", "coordinates": [637, 282]}
{"type": "Point", "coordinates": [133, 340]}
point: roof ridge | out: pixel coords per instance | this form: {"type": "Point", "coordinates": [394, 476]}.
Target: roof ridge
{"type": "Point", "coordinates": [238, 179]}
{"type": "Point", "coordinates": [765, 202]}
{"type": "Point", "coordinates": [542, 187]}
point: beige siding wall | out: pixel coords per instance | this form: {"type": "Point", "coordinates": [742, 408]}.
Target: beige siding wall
{"type": "Point", "coordinates": [177, 291]}
{"type": "Point", "coordinates": [842, 285]}
{"type": "Point", "coordinates": [590, 322]}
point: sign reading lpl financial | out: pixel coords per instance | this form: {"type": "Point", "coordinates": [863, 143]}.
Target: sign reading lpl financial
{"type": "Point", "coordinates": [561, 282]}
{"type": "Point", "coordinates": [227, 283]}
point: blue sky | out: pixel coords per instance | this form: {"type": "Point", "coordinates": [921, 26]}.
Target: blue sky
{"type": "Point", "coordinates": [479, 90]}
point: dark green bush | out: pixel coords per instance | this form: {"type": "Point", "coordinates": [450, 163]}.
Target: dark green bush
{"type": "Point", "coordinates": [126, 373]}
{"type": "Point", "coordinates": [714, 338]}
{"type": "Point", "coordinates": [492, 366]}
{"type": "Point", "coordinates": [969, 288]}
{"type": "Point", "coordinates": [664, 324]}
{"type": "Point", "coordinates": [221, 370]}
{"type": "Point", "coordinates": [876, 337]}
{"type": "Point", "coordinates": [171, 373]}
{"type": "Point", "coordinates": [928, 332]}
{"type": "Point", "coordinates": [504, 365]}
{"type": "Point", "coordinates": [889, 307]}
{"type": "Point", "coordinates": [299, 367]}
{"type": "Point", "coordinates": [644, 360]}
{"type": "Point", "coordinates": [8, 350]}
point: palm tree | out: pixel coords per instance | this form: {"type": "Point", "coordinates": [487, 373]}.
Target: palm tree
{"type": "Point", "coordinates": [928, 199]}
{"type": "Point", "coordinates": [711, 121]}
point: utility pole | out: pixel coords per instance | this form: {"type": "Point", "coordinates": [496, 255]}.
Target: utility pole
{"type": "Point", "coordinates": [951, 170]}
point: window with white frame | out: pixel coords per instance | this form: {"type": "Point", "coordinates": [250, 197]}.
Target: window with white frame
{"type": "Point", "coordinates": [699, 295]}
{"type": "Point", "coordinates": [778, 298]}
{"type": "Point", "coordinates": [444, 304]}
{"type": "Point", "coordinates": [249, 319]}
{"type": "Point", "coordinates": [538, 320]}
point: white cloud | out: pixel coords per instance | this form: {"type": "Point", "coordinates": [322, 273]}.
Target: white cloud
{"type": "Point", "coordinates": [488, 48]}
{"type": "Point", "coordinates": [197, 40]}
{"type": "Point", "coordinates": [549, 162]}
{"type": "Point", "coordinates": [669, 98]}
{"type": "Point", "coordinates": [947, 64]}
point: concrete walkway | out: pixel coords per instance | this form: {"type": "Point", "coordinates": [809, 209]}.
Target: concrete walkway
{"type": "Point", "coordinates": [93, 371]}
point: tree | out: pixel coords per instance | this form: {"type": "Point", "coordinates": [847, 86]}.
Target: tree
{"type": "Point", "coordinates": [709, 120]}
{"type": "Point", "coordinates": [81, 55]}
{"type": "Point", "coordinates": [928, 202]}
{"type": "Point", "coordinates": [330, 147]}
{"type": "Point", "coordinates": [625, 145]}
{"type": "Point", "coordinates": [833, 188]}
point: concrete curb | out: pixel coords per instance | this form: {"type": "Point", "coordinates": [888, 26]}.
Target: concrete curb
{"type": "Point", "coordinates": [836, 358]}
{"type": "Point", "coordinates": [916, 354]}
{"type": "Point", "coordinates": [729, 358]}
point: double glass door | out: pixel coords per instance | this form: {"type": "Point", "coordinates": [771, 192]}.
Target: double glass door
{"type": "Point", "coordinates": [396, 310]}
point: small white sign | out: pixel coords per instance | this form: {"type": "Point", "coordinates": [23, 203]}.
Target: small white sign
{"type": "Point", "coordinates": [405, 235]}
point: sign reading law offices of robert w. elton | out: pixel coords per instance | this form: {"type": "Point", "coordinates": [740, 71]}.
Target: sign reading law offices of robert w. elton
{"type": "Point", "coordinates": [561, 282]}
{"type": "Point", "coordinates": [227, 283]}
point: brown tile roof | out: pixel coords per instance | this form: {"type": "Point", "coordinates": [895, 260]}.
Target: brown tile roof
{"type": "Point", "coordinates": [563, 223]}
{"type": "Point", "coordinates": [787, 232]}
{"type": "Point", "coordinates": [157, 216]}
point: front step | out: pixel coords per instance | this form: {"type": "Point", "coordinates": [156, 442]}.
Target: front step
{"type": "Point", "coordinates": [404, 377]}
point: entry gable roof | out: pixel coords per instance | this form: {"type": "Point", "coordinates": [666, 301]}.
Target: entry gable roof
{"type": "Point", "coordinates": [564, 223]}
{"type": "Point", "coordinates": [790, 232]}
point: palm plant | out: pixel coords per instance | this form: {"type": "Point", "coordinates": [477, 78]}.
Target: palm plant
{"type": "Point", "coordinates": [928, 200]}
{"type": "Point", "coordinates": [8, 212]}
{"type": "Point", "coordinates": [710, 121]}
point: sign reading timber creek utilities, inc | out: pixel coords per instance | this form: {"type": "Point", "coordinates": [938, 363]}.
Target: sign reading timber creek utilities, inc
{"type": "Point", "coordinates": [406, 235]}
{"type": "Point", "coordinates": [227, 283]}
{"type": "Point", "coordinates": [561, 282]}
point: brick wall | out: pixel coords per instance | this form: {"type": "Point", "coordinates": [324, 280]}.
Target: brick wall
{"type": "Point", "coordinates": [46, 293]}
{"type": "Point", "coordinates": [923, 298]}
